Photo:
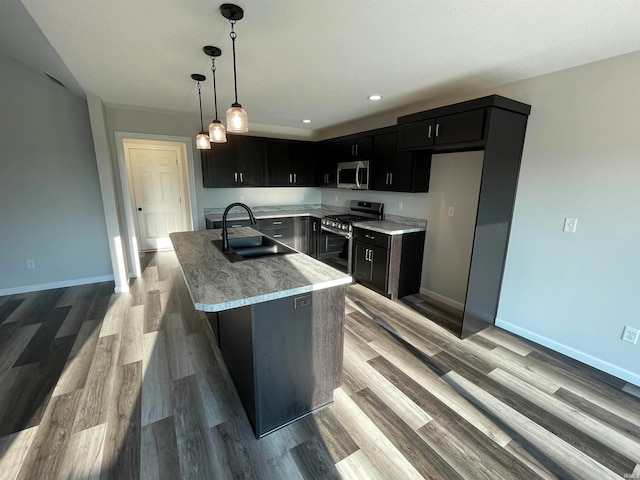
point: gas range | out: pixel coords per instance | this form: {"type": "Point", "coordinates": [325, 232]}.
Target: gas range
{"type": "Point", "coordinates": [342, 224]}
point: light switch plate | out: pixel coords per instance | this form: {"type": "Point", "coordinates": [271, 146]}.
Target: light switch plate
{"type": "Point", "coordinates": [450, 211]}
{"type": "Point", "coordinates": [570, 225]}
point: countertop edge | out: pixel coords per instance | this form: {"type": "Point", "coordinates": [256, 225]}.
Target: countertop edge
{"type": "Point", "coordinates": [219, 307]}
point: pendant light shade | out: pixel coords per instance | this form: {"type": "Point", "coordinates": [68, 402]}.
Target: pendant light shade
{"type": "Point", "coordinates": [202, 139]}
{"type": "Point", "coordinates": [237, 121]}
{"type": "Point", "coordinates": [217, 132]}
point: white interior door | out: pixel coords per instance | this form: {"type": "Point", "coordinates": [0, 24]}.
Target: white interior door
{"type": "Point", "coordinates": [157, 196]}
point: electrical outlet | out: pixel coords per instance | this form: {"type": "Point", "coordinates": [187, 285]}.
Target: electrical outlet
{"type": "Point", "coordinates": [630, 334]}
{"type": "Point", "coordinates": [450, 211]}
{"type": "Point", "coordinates": [570, 225]}
{"type": "Point", "coordinates": [242, 198]}
{"type": "Point", "coordinates": [31, 263]}
{"type": "Point", "coordinates": [400, 205]}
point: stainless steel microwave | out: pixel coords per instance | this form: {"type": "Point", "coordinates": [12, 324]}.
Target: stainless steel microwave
{"type": "Point", "coordinates": [354, 175]}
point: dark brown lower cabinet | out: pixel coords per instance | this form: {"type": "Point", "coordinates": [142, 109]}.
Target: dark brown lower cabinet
{"type": "Point", "coordinates": [388, 264]}
{"type": "Point", "coordinates": [284, 355]}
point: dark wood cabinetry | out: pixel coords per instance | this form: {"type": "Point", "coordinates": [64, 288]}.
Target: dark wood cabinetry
{"type": "Point", "coordinates": [327, 156]}
{"type": "Point", "coordinates": [459, 128]}
{"type": "Point", "coordinates": [290, 163]}
{"type": "Point", "coordinates": [237, 163]}
{"type": "Point", "coordinates": [496, 125]}
{"type": "Point", "coordinates": [389, 264]}
{"type": "Point", "coordinates": [359, 148]}
{"type": "Point", "coordinates": [398, 171]}
{"type": "Point", "coordinates": [313, 237]}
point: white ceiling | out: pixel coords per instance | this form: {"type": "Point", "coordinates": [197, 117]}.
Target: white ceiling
{"type": "Point", "coordinates": [320, 59]}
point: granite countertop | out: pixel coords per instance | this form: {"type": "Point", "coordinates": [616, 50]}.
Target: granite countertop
{"type": "Point", "coordinates": [242, 214]}
{"type": "Point", "coordinates": [215, 284]}
{"type": "Point", "coordinates": [389, 228]}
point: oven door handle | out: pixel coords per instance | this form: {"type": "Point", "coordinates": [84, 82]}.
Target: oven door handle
{"type": "Point", "coordinates": [340, 233]}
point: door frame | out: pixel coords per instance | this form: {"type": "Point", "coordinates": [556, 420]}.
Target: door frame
{"type": "Point", "coordinates": [126, 186]}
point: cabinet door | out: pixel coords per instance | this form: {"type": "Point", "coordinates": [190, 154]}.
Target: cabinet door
{"type": "Point", "coordinates": [313, 247]}
{"type": "Point", "coordinates": [327, 161]}
{"type": "Point", "coordinates": [219, 165]}
{"type": "Point", "coordinates": [379, 260]}
{"type": "Point", "coordinates": [416, 134]}
{"type": "Point", "coordinates": [303, 161]}
{"type": "Point", "coordinates": [251, 153]}
{"type": "Point", "coordinates": [361, 264]}
{"type": "Point", "coordinates": [278, 170]}
{"type": "Point", "coordinates": [359, 148]}
{"type": "Point", "coordinates": [460, 127]}
{"type": "Point", "coordinates": [383, 163]}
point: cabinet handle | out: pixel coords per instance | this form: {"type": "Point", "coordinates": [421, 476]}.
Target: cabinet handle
{"type": "Point", "coordinates": [391, 178]}
{"type": "Point", "coordinates": [429, 133]}
{"type": "Point", "coordinates": [437, 129]}
{"type": "Point", "coordinates": [277, 223]}
{"type": "Point", "coordinates": [241, 180]}
{"type": "Point", "coordinates": [366, 254]}
{"type": "Point", "coordinates": [277, 235]}
{"type": "Point", "coordinates": [295, 178]}
{"type": "Point", "coordinates": [235, 177]}
{"type": "Point", "coordinates": [290, 178]}
{"type": "Point", "coordinates": [370, 236]}
{"type": "Point", "coordinates": [386, 180]}
{"type": "Point", "coordinates": [234, 226]}
{"type": "Point", "coordinates": [356, 149]}
{"type": "Point", "coordinates": [315, 227]}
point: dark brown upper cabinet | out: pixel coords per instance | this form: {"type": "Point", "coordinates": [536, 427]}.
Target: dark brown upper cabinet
{"type": "Point", "coordinates": [240, 162]}
{"type": "Point", "coordinates": [396, 171]}
{"type": "Point", "coordinates": [290, 163]}
{"type": "Point", "coordinates": [464, 129]}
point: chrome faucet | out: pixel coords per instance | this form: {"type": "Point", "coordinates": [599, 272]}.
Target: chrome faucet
{"type": "Point", "coordinates": [225, 234]}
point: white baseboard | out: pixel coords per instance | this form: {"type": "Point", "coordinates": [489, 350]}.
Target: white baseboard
{"type": "Point", "coordinates": [583, 357]}
{"type": "Point", "coordinates": [442, 298]}
{"type": "Point", "coordinates": [64, 283]}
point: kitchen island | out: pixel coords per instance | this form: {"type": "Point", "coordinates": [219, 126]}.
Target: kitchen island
{"type": "Point", "coordinates": [278, 321]}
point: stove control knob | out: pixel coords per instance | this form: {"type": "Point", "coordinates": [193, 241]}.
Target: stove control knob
{"type": "Point", "coordinates": [343, 227]}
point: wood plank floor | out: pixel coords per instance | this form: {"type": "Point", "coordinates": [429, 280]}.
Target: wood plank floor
{"type": "Point", "coordinates": [101, 386]}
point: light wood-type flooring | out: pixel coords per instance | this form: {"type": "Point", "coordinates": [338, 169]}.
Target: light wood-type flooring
{"type": "Point", "coordinates": [96, 385]}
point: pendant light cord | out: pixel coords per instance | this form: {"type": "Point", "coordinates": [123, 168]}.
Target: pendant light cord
{"type": "Point", "coordinates": [200, 100]}
{"type": "Point", "coordinates": [215, 97]}
{"type": "Point", "coordinates": [233, 36]}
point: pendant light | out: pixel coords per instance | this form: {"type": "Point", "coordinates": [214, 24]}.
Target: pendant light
{"type": "Point", "coordinates": [202, 139]}
{"type": "Point", "coordinates": [217, 132]}
{"type": "Point", "coordinates": [237, 121]}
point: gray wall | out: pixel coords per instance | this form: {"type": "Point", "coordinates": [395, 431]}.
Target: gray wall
{"type": "Point", "coordinates": [49, 191]}
{"type": "Point", "coordinates": [572, 292]}
{"type": "Point", "coordinates": [455, 182]}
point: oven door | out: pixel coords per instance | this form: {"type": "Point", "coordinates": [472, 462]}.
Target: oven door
{"type": "Point", "coordinates": [335, 249]}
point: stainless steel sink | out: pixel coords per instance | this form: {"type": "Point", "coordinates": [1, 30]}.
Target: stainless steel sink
{"type": "Point", "coordinates": [259, 246]}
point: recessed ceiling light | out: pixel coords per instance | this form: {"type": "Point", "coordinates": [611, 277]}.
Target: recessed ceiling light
{"type": "Point", "coordinates": [374, 97]}
{"type": "Point", "coordinates": [306, 120]}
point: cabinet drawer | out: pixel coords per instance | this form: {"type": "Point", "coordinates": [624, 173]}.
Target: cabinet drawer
{"type": "Point", "coordinates": [275, 223]}
{"type": "Point", "coordinates": [372, 238]}
{"type": "Point", "coordinates": [231, 223]}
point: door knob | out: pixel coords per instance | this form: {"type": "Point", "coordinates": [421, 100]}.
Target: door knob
{"type": "Point", "coordinates": [139, 209]}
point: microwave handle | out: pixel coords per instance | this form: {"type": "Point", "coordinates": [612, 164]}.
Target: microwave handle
{"type": "Point", "coordinates": [358, 175]}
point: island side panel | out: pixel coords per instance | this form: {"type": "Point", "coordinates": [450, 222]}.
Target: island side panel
{"type": "Point", "coordinates": [236, 345]}
{"type": "Point", "coordinates": [298, 349]}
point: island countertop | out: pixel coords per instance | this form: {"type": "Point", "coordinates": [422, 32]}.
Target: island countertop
{"type": "Point", "coordinates": [216, 284]}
